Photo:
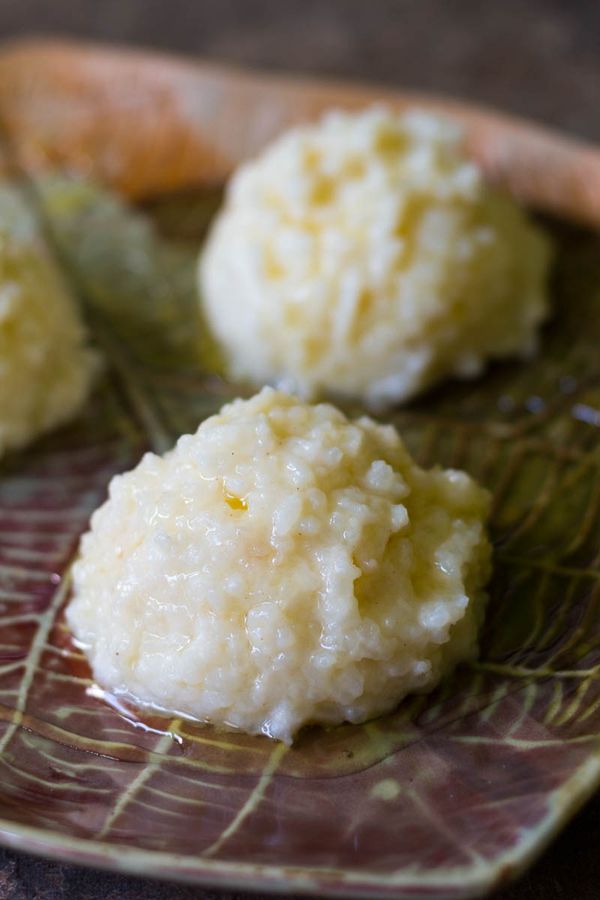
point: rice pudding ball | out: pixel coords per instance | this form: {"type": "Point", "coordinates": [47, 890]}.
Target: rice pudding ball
{"type": "Point", "coordinates": [283, 565]}
{"type": "Point", "coordinates": [366, 256]}
{"type": "Point", "coordinates": [46, 366]}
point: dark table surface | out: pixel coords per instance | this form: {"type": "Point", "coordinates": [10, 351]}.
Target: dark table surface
{"type": "Point", "coordinates": [540, 58]}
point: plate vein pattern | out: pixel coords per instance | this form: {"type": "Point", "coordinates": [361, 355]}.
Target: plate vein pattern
{"type": "Point", "coordinates": [135, 785]}
{"type": "Point", "coordinates": [253, 800]}
{"type": "Point", "coordinates": [45, 623]}
{"type": "Point", "coordinates": [468, 780]}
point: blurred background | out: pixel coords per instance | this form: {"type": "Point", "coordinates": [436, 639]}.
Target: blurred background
{"type": "Point", "coordinates": [539, 57]}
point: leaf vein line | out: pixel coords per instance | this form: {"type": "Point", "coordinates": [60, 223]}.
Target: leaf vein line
{"type": "Point", "coordinates": [33, 658]}
{"type": "Point", "coordinates": [126, 796]}
{"type": "Point", "coordinates": [252, 802]}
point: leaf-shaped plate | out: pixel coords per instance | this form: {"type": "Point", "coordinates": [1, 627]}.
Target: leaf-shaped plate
{"type": "Point", "coordinates": [453, 792]}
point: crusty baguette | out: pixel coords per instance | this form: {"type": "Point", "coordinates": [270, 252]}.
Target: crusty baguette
{"type": "Point", "coordinates": [147, 123]}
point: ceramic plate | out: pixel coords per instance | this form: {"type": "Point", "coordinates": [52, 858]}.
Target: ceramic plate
{"type": "Point", "coordinates": [455, 791]}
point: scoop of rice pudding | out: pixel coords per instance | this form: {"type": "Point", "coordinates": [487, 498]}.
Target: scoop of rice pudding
{"type": "Point", "coordinates": [364, 255]}
{"type": "Point", "coordinates": [282, 565]}
{"type": "Point", "coordinates": [46, 366]}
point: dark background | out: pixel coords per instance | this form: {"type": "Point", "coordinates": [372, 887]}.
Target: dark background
{"type": "Point", "coordinates": [540, 58]}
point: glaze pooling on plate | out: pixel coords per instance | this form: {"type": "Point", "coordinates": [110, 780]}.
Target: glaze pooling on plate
{"type": "Point", "coordinates": [446, 795]}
